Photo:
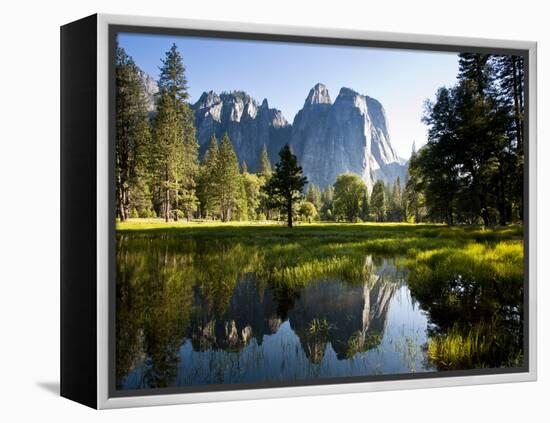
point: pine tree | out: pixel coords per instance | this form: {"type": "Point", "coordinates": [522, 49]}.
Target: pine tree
{"type": "Point", "coordinates": [378, 201]}
{"type": "Point", "coordinates": [284, 188]}
{"type": "Point", "coordinates": [327, 199]}
{"type": "Point", "coordinates": [510, 91]}
{"type": "Point", "coordinates": [395, 202]}
{"type": "Point", "coordinates": [475, 67]}
{"type": "Point", "coordinates": [265, 164]}
{"type": "Point", "coordinates": [176, 148]}
{"type": "Point", "coordinates": [205, 179]}
{"type": "Point", "coordinates": [132, 136]}
{"type": "Point", "coordinates": [414, 201]}
{"type": "Point", "coordinates": [365, 206]}
{"type": "Point", "coordinates": [252, 191]}
{"type": "Point", "coordinates": [228, 186]}
{"type": "Point", "coordinates": [314, 196]}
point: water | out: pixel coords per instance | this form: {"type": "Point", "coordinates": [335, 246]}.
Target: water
{"type": "Point", "coordinates": [193, 313]}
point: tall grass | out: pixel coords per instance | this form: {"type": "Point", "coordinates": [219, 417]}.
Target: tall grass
{"type": "Point", "coordinates": [459, 349]}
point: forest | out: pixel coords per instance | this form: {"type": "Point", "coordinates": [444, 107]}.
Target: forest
{"type": "Point", "coordinates": [469, 172]}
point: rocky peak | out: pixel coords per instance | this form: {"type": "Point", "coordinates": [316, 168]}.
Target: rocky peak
{"type": "Point", "coordinates": [237, 105]}
{"type": "Point", "coordinates": [208, 99]}
{"type": "Point", "coordinates": [318, 95]}
{"type": "Point", "coordinates": [351, 99]}
{"type": "Point", "coordinates": [151, 89]}
{"type": "Point", "coordinates": [277, 119]}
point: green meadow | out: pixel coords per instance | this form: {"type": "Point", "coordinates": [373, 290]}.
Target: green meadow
{"type": "Point", "coordinates": [468, 280]}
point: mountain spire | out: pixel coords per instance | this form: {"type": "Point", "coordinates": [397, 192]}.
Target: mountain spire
{"type": "Point", "coordinates": [318, 95]}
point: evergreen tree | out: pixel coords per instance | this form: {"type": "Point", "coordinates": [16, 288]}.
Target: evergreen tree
{"type": "Point", "coordinates": [284, 188]}
{"type": "Point", "coordinates": [265, 164]}
{"type": "Point", "coordinates": [395, 211]}
{"type": "Point", "coordinates": [510, 92]}
{"type": "Point", "coordinates": [205, 180]}
{"type": "Point", "coordinates": [228, 185]}
{"type": "Point", "coordinates": [378, 201]}
{"type": "Point", "coordinates": [314, 196]}
{"type": "Point", "coordinates": [475, 67]}
{"type": "Point", "coordinates": [132, 137]}
{"type": "Point", "coordinates": [365, 206]}
{"type": "Point", "coordinates": [414, 201]}
{"type": "Point", "coordinates": [327, 203]}
{"type": "Point", "coordinates": [176, 149]}
{"type": "Point", "coordinates": [264, 173]}
{"type": "Point", "coordinates": [252, 193]}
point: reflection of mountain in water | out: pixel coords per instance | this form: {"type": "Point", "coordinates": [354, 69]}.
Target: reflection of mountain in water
{"type": "Point", "coordinates": [351, 317]}
{"type": "Point", "coordinates": [218, 325]}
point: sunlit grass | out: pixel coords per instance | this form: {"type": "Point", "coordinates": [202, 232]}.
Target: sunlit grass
{"type": "Point", "coordinates": [458, 349]}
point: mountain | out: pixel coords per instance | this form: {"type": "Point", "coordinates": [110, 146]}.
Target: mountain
{"type": "Point", "coordinates": [248, 125]}
{"type": "Point", "coordinates": [348, 135]}
{"type": "Point", "coordinates": [151, 90]}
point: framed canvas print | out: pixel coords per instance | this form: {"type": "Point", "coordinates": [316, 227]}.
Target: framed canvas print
{"type": "Point", "coordinates": [253, 211]}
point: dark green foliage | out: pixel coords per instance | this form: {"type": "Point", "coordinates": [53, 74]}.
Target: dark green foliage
{"type": "Point", "coordinates": [365, 206]}
{"type": "Point", "coordinates": [284, 188]}
{"type": "Point", "coordinates": [175, 155]}
{"type": "Point", "coordinates": [227, 187]}
{"type": "Point", "coordinates": [476, 68]}
{"type": "Point", "coordinates": [414, 199]}
{"type": "Point", "coordinates": [378, 201]}
{"type": "Point", "coordinates": [327, 199]}
{"type": "Point", "coordinates": [395, 203]}
{"type": "Point", "coordinates": [471, 169]}
{"type": "Point", "coordinates": [132, 136]}
{"type": "Point", "coordinates": [205, 180]}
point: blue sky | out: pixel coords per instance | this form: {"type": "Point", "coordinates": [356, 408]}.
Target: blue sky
{"type": "Point", "coordinates": [285, 72]}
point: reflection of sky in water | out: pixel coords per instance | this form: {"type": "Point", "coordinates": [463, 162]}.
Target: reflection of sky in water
{"type": "Point", "coordinates": [281, 357]}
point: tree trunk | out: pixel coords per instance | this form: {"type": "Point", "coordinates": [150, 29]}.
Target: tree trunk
{"type": "Point", "coordinates": [289, 213]}
{"type": "Point", "coordinates": [177, 202]}
{"type": "Point", "coordinates": [167, 204]}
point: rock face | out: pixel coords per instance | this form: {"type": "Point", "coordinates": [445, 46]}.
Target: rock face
{"type": "Point", "coordinates": [151, 90]}
{"type": "Point", "coordinates": [348, 135]}
{"type": "Point", "coordinates": [248, 125]}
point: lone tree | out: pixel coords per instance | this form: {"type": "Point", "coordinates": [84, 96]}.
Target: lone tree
{"type": "Point", "coordinates": [285, 186]}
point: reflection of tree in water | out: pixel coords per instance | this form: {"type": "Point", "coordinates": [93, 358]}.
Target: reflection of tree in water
{"type": "Point", "coordinates": [170, 289]}
{"type": "Point", "coordinates": [154, 298]}
{"type": "Point", "coordinates": [476, 318]}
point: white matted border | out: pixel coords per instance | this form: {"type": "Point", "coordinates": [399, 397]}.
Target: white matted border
{"type": "Point", "coordinates": [103, 400]}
